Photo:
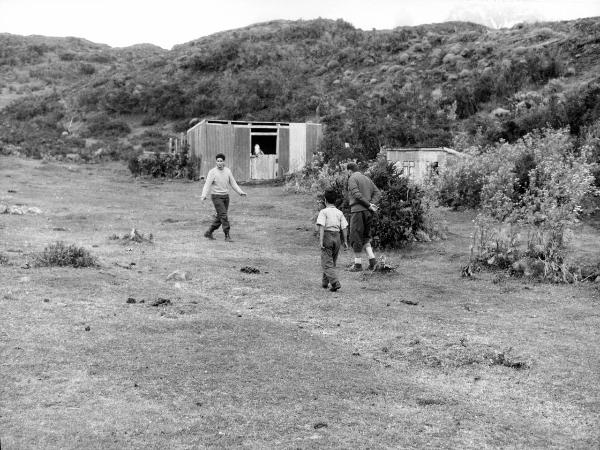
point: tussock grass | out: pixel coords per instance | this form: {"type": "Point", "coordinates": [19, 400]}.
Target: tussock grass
{"type": "Point", "coordinates": [59, 254]}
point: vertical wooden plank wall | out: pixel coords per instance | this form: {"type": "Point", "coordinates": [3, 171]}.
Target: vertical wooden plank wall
{"type": "Point", "coordinates": [219, 139]}
{"type": "Point", "coordinates": [313, 132]}
{"type": "Point", "coordinates": [284, 151]}
{"type": "Point", "coordinates": [195, 146]}
{"type": "Point", "coordinates": [240, 162]}
{"type": "Point", "coordinates": [297, 146]}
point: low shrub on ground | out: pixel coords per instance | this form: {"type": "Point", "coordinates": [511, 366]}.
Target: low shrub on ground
{"type": "Point", "coordinates": [59, 254]}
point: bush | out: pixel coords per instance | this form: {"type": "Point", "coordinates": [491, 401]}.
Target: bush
{"type": "Point", "coordinates": [533, 188]}
{"type": "Point", "coordinates": [459, 184]}
{"type": "Point", "coordinates": [36, 107]}
{"type": "Point", "coordinates": [163, 165]}
{"type": "Point", "coordinates": [60, 254]}
{"type": "Point", "coordinates": [104, 126]}
{"type": "Point", "coordinates": [87, 69]}
{"type": "Point", "coordinates": [402, 212]}
{"type": "Point", "coordinates": [150, 120]}
{"type": "Point", "coordinates": [67, 56]}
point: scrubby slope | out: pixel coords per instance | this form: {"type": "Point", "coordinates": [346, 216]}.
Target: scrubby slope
{"type": "Point", "coordinates": [408, 86]}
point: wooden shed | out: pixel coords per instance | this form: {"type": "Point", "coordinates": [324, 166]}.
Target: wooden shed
{"type": "Point", "coordinates": [286, 147]}
{"type": "Point", "coordinates": [418, 162]}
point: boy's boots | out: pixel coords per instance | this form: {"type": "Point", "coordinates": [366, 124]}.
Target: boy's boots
{"type": "Point", "coordinates": [209, 235]}
{"type": "Point", "coordinates": [228, 238]}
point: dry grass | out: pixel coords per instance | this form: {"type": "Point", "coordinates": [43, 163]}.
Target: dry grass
{"type": "Point", "coordinates": [417, 359]}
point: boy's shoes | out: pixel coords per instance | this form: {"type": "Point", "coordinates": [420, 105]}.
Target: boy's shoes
{"type": "Point", "coordinates": [324, 285]}
{"type": "Point", "coordinates": [208, 235]}
{"type": "Point", "coordinates": [356, 268]}
{"type": "Point", "coordinates": [228, 238]}
{"type": "Point", "coordinates": [335, 286]}
{"type": "Point", "coordinates": [372, 263]}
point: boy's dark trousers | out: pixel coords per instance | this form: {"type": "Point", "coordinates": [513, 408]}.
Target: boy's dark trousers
{"type": "Point", "coordinates": [329, 255]}
{"type": "Point", "coordinates": [221, 203]}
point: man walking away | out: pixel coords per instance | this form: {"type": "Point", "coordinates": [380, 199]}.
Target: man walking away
{"type": "Point", "coordinates": [363, 196]}
{"type": "Point", "coordinates": [218, 182]}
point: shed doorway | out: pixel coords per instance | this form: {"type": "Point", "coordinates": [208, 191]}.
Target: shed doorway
{"type": "Point", "coordinates": [263, 153]}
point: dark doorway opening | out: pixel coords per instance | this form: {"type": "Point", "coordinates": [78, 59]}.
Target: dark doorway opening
{"type": "Point", "coordinates": [268, 144]}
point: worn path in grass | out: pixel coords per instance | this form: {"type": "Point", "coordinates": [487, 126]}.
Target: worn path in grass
{"type": "Point", "coordinates": [420, 358]}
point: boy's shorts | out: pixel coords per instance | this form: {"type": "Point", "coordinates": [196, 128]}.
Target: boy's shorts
{"type": "Point", "coordinates": [360, 229]}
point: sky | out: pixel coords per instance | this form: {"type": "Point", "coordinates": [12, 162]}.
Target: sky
{"type": "Point", "coordinates": [120, 23]}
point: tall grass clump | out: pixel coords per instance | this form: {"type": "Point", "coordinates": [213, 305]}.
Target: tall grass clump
{"type": "Point", "coordinates": [59, 254]}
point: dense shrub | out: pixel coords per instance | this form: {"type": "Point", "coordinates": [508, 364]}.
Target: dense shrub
{"type": "Point", "coordinates": [104, 126]}
{"type": "Point", "coordinates": [591, 142]}
{"type": "Point", "coordinates": [87, 69]}
{"type": "Point", "coordinates": [459, 184]}
{"type": "Point", "coordinates": [534, 190]}
{"type": "Point", "coordinates": [60, 254]}
{"type": "Point", "coordinates": [36, 106]}
{"type": "Point", "coordinates": [163, 165]}
{"type": "Point", "coordinates": [67, 56]}
{"type": "Point", "coordinates": [402, 212]}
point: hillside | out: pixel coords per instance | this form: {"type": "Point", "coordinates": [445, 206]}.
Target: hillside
{"type": "Point", "coordinates": [421, 85]}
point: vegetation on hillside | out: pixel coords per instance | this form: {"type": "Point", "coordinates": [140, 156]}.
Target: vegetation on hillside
{"type": "Point", "coordinates": [407, 86]}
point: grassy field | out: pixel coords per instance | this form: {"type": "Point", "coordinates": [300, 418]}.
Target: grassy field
{"type": "Point", "coordinates": [420, 358]}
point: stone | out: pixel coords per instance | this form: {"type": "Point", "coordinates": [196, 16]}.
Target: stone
{"type": "Point", "coordinates": [179, 275]}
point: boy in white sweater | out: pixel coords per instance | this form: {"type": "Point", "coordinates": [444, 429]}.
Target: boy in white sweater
{"type": "Point", "coordinates": [333, 231]}
{"type": "Point", "coordinates": [218, 181]}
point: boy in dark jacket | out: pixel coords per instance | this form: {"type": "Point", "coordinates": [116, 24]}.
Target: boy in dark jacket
{"type": "Point", "coordinates": [362, 196]}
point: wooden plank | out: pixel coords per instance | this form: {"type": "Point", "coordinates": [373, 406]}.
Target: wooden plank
{"type": "Point", "coordinates": [219, 139]}
{"type": "Point", "coordinates": [194, 137]}
{"type": "Point", "coordinates": [313, 132]}
{"type": "Point", "coordinates": [263, 167]}
{"type": "Point", "coordinates": [284, 151]}
{"type": "Point", "coordinates": [297, 147]}
{"type": "Point", "coordinates": [240, 164]}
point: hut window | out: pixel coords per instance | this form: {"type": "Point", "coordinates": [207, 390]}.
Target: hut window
{"type": "Point", "coordinates": [267, 143]}
{"type": "Point", "coordinates": [434, 168]}
{"type": "Point", "coordinates": [408, 167]}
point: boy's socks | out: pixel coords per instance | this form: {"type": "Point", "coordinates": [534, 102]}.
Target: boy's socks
{"type": "Point", "coordinates": [369, 251]}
